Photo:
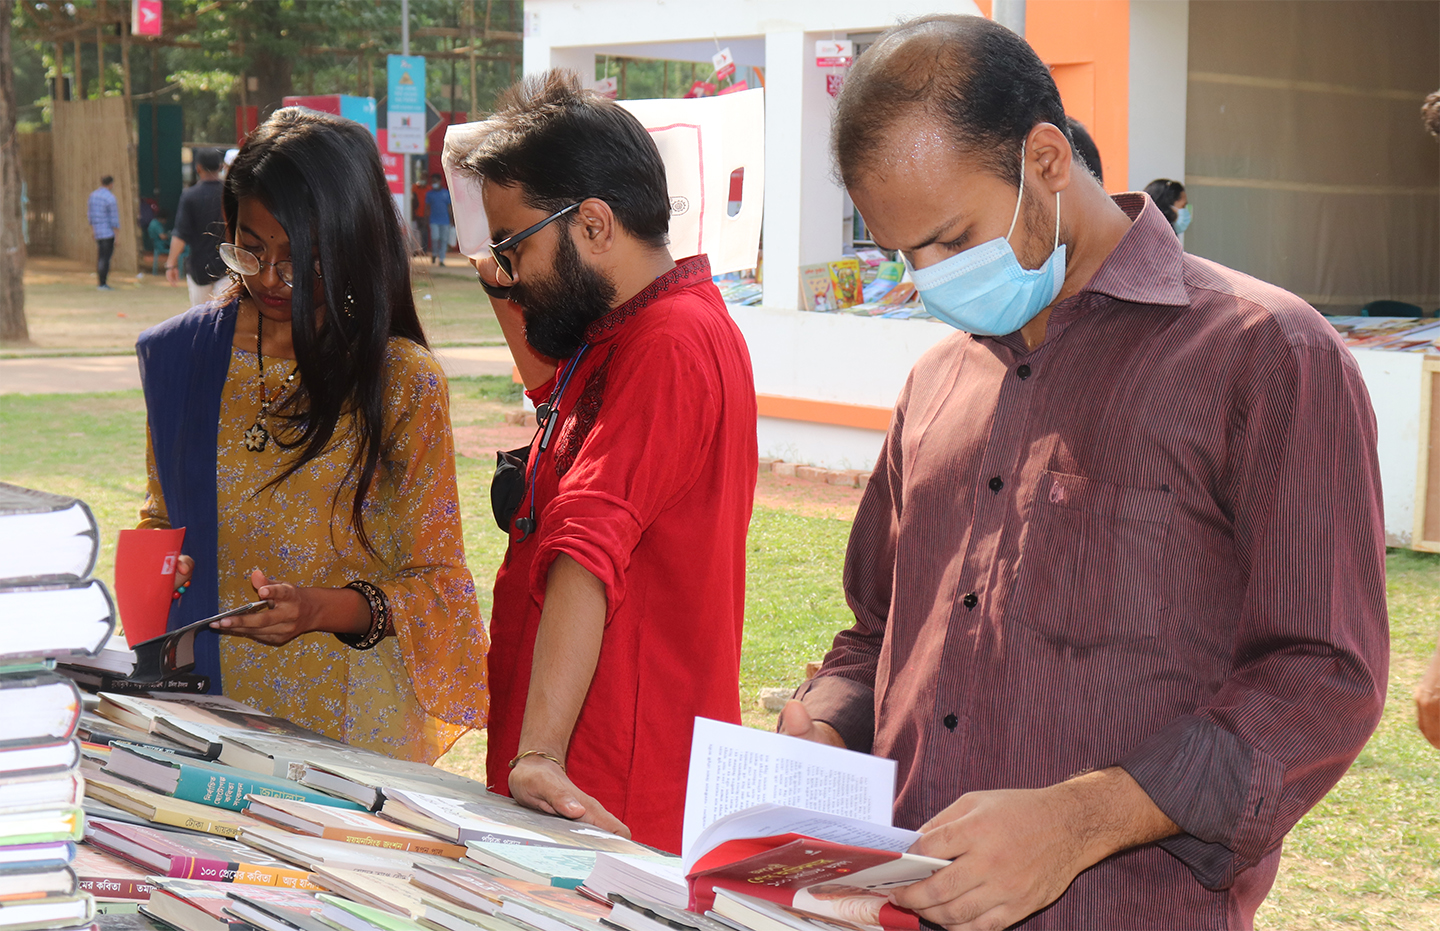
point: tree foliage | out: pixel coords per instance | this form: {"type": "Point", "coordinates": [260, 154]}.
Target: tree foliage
{"type": "Point", "coordinates": [259, 51]}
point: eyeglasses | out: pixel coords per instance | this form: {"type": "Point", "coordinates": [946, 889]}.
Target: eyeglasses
{"type": "Point", "coordinates": [498, 249]}
{"type": "Point", "coordinates": [243, 262]}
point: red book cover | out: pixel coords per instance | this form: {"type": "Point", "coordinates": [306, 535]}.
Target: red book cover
{"type": "Point", "coordinates": [214, 859]}
{"type": "Point", "coordinates": [822, 878]}
{"type": "Point", "coordinates": [109, 877]}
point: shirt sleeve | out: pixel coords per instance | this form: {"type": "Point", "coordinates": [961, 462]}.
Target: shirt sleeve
{"type": "Point", "coordinates": [1312, 647]}
{"type": "Point", "coordinates": [661, 402]}
{"type": "Point", "coordinates": [183, 222]}
{"type": "Point", "coordinates": [842, 694]}
{"type": "Point", "coordinates": [430, 591]}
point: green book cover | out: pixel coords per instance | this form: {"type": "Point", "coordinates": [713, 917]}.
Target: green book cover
{"type": "Point", "coordinates": [225, 786]}
{"type": "Point", "coordinates": [385, 921]}
{"type": "Point", "coordinates": [41, 826]}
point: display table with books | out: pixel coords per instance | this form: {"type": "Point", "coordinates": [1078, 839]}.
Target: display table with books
{"type": "Point", "coordinates": [150, 810]}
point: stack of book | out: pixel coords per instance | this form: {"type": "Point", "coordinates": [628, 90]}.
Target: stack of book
{"type": "Point", "coordinates": [198, 813]}
{"type": "Point", "coordinates": [50, 609]}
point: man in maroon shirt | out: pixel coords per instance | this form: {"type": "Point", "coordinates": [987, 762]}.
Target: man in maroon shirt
{"type": "Point", "coordinates": [1118, 577]}
{"type": "Point", "coordinates": [618, 610]}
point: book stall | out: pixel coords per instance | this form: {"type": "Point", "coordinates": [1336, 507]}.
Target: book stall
{"type": "Point", "coordinates": [147, 805]}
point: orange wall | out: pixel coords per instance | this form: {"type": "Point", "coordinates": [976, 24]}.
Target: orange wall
{"type": "Point", "coordinates": [1086, 43]}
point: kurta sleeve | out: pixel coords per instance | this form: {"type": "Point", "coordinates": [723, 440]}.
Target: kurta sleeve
{"type": "Point", "coordinates": [842, 694]}
{"type": "Point", "coordinates": [430, 590]}
{"type": "Point", "coordinates": [617, 472]}
{"type": "Point", "coordinates": [153, 515]}
{"type": "Point", "coordinates": [1312, 649]}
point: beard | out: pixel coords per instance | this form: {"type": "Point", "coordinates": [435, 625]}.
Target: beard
{"type": "Point", "coordinates": [559, 307]}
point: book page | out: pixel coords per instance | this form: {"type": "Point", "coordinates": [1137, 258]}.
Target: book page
{"type": "Point", "coordinates": [734, 767]}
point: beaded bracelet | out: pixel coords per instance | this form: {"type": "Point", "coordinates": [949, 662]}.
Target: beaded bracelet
{"type": "Point", "coordinates": [379, 618]}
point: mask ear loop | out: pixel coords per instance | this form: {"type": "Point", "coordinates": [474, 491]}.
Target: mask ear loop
{"type": "Point", "coordinates": [1019, 198]}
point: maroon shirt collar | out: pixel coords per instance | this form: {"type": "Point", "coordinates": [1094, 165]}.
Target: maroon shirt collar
{"type": "Point", "coordinates": [1148, 264]}
{"type": "Point", "coordinates": [686, 273]}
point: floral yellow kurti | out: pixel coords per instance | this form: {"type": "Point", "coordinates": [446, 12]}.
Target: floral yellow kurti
{"type": "Point", "coordinates": [416, 692]}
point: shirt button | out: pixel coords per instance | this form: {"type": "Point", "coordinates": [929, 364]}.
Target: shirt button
{"type": "Point", "coordinates": [951, 721]}
{"type": "Point", "coordinates": [1023, 372]}
{"type": "Point", "coordinates": [996, 484]}
{"type": "Point", "coordinates": [970, 601]}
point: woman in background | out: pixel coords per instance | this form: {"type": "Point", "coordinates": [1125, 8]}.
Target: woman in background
{"type": "Point", "coordinates": [299, 430]}
{"type": "Point", "coordinates": [1172, 200]}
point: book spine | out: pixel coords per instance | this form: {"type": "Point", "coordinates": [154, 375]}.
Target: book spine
{"type": "Point", "coordinates": [386, 842]}
{"type": "Point", "coordinates": [215, 871]}
{"type": "Point", "coordinates": [137, 890]}
{"type": "Point", "coordinates": [250, 874]}
{"type": "Point", "coordinates": [205, 825]}
{"type": "Point", "coordinates": [223, 790]}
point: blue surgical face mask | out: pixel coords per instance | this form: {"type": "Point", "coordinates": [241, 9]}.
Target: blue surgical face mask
{"type": "Point", "coordinates": [985, 290]}
{"type": "Point", "coordinates": [1182, 219]}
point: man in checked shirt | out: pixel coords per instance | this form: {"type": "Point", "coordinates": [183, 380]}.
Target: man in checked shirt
{"type": "Point", "coordinates": [1118, 577]}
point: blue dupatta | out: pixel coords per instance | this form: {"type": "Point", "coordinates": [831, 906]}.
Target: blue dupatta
{"type": "Point", "coordinates": [183, 365]}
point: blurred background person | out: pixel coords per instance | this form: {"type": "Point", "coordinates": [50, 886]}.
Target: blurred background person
{"type": "Point", "coordinates": [1172, 200]}
{"type": "Point", "coordinates": [199, 224]}
{"type": "Point", "coordinates": [1085, 147]}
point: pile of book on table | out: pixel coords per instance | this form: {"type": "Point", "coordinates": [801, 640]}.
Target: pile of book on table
{"type": "Point", "coordinates": [50, 609]}
{"type": "Point", "coordinates": [202, 814]}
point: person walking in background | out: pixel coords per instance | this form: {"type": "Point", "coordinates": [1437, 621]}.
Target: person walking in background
{"type": "Point", "coordinates": [104, 212]}
{"type": "Point", "coordinates": [200, 224]}
{"type": "Point", "coordinates": [1172, 200]}
{"type": "Point", "coordinates": [1086, 148]}
{"type": "Point", "coordinates": [419, 214]}
{"type": "Point", "coordinates": [437, 205]}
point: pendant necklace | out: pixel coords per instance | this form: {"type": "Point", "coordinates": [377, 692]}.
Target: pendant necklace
{"type": "Point", "coordinates": [258, 437]}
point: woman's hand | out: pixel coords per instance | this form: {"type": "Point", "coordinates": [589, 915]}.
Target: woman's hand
{"type": "Point", "coordinates": [1427, 700]}
{"type": "Point", "coordinates": [298, 611]}
{"type": "Point", "coordinates": [184, 572]}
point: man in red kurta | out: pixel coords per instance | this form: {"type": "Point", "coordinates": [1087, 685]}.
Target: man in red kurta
{"type": "Point", "coordinates": [619, 608]}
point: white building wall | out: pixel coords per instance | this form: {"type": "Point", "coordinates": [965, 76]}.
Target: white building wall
{"type": "Point", "coordinates": [1159, 38]}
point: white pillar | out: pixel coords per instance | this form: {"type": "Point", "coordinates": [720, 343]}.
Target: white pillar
{"type": "Point", "coordinates": [1159, 59]}
{"type": "Point", "coordinates": [784, 173]}
{"type": "Point", "coordinates": [803, 204]}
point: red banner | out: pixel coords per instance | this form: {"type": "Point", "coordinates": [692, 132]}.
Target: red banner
{"type": "Point", "coordinates": [145, 17]}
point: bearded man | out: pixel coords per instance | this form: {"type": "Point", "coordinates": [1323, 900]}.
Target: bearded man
{"type": "Point", "coordinates": [619, 608]}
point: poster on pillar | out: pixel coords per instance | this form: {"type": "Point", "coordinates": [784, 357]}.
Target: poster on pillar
{"type": "Point", "coordinates": [704, 143]}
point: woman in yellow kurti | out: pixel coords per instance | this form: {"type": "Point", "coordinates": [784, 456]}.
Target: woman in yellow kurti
{"type": "Point", "coordinates": [375, 637]}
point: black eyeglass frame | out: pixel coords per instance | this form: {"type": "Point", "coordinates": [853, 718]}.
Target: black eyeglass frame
{"type": "Point", "coordinates": [229, 254]}
{"type": "Point", "coordinates": [498, 249]}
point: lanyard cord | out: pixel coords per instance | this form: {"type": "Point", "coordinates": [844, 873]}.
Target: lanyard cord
{"type": "Point", "coordinates": [551, 417]}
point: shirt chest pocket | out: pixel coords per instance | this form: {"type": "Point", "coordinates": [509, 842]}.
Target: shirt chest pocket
{"type": "Point", "coordinates": [1090, 567]}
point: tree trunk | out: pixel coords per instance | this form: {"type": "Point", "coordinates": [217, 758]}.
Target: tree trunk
{"type": "Point", "coordinates": [12, 241]}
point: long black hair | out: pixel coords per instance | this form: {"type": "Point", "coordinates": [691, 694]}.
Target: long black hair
{"type": "Point", "coordinates": [1165, 193]}
{"type": "Point", "coordinates": [321, 178]}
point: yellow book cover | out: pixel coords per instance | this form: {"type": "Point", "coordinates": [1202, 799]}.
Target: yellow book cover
{"type": "Point", "coordinates": [849, 287]}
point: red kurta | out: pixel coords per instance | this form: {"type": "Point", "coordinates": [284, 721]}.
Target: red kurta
{"type": "Point", "coordinates": [648, 484]}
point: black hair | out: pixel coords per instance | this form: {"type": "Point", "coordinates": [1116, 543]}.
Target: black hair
{"type": "Point", "coordinates": [562, 144]}
{"type": "Point", "coordinates": [979, 79]}
{"type": "Point", "coordinates": [1165, 193]}
{"type": "Point", "coordinates": [1085, 147]}
{"type": "Point", "coordinates": [434, 176]}
{"type": "Point", "coordinates": [209, 159]}
{"type": "Point", "coordinates": [107, 180]}
{"type": "Point", "coordinates": [321, 178]}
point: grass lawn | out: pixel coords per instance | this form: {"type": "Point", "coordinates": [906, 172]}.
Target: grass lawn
{"type": "Point", "coordinates": [69, 316]}
{"type": "Point", "coordinates": [1367, 857]}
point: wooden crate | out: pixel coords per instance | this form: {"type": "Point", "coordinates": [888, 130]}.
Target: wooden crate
{"type": "Point", "coordinates": [1427, 481]}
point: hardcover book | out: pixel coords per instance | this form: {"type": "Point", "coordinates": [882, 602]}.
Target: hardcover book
{"type": "Point", "coordinates": [45, 536]}
{"type": "Point", "coordinates": [355, 827]}
{"type": "Point", "coordinates": [189, 856]}
{"type": "Point", "coordinates": [109, 878]}
{"type": "Point", "coordinates": [155, 808]}
{"type": "Point", "coordinates": [204, 782]}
